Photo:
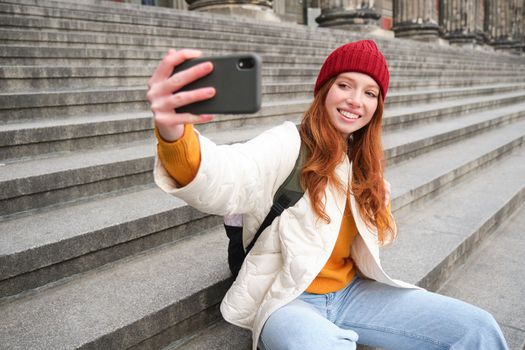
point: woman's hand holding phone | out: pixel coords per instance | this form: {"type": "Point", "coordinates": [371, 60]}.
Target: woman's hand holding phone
{"type": "Point", "coordinates": [164, 98]}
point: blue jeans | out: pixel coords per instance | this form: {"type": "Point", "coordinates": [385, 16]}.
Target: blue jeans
{"type": "Point", "coordinates": [371, 313]}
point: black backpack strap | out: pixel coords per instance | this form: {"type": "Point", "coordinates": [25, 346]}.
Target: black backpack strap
{"type": "Point", "coordinates": [286, 196]}
{"type": "Point", "coordinates": [235, 248]}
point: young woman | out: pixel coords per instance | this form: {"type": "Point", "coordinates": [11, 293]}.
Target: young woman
{"type": "Point", "coordinates": [313, 280]}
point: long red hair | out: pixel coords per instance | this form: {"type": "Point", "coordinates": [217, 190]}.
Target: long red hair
{"type": "Point", "coordinates": [326, 147]}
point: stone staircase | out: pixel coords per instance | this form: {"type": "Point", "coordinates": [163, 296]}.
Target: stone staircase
{"type": "Point", "coordinates": [94, 256]}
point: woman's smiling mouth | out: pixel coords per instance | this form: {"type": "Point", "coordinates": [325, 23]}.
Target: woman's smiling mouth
{"type": "Point", "coordinates": [348, 115]}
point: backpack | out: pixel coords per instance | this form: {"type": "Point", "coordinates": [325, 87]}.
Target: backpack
{"type": "Point", "coordinates": [286, 196]}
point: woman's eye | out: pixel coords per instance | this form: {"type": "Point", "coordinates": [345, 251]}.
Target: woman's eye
{"type": "Point", "coordinates": [371, 94]}
{"type": "Point", "coordinates": [343, 86]}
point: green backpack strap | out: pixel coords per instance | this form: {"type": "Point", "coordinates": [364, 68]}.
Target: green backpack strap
{"type": "Point", "coordinates": [291, 187]}
{"type": "Point", "coordinates": [286, 196]}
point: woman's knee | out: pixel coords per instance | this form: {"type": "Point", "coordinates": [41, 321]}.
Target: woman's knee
{"type": "Point", "coordinates": [300, 326]}
{"type": "Point", "coordinates": [284, 327]}
{"type": "Point", "coordinates": [482, 332]}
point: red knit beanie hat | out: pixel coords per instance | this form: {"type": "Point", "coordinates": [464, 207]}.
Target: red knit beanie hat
{"type": "Point", "coordinates": [361, 56]}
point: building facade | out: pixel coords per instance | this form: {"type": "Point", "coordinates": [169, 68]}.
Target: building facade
{"type": "Point", "coordinates": [496, 24]}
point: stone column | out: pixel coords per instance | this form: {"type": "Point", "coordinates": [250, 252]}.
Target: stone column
{"type": "Point", "coordinates": [289, 11]}
{"type": "Point", "coordinates": [416, 19]}
{"type": "Point", "coordinates": [462, 21]}
{"type": "Point", "coordinates": [258, 9]}
{"type": "Point", "coordinates": [522, 41]}
{"type": "Point", "coordinates": [499, 24]}
{"type": "Point", "coordinates": [180, 4]}
{"type": "Point", "coordinates": [354, 15]}
{"type": "Point", "coordinates": [518, 18]}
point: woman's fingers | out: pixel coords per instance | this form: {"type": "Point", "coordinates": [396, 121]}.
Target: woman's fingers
{"type": "Point", "coordinates": [167, 120]}
{"type": "Point", "coordinates": [164, 102]}
{"type": "Point", "coordinates": [173, 58]}
{"type": "Point", "coordinates": [196, 119]}
{"type": "Point", "coordinates": [183, 98]}
{"type": "Point", "coordinates": [179, 80]}
{"type": "Point", "coordinates": [183, 78]}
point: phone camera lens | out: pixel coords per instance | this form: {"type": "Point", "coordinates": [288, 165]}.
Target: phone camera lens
{"type": "Point", "coordinates": [246, 63]}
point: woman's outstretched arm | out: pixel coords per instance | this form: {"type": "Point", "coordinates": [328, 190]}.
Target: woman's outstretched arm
{"type": "Point", "coordinates": [230, 178]}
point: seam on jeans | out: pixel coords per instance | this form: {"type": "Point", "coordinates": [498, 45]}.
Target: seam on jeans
{"type": "Point", "coordinates": [444, 346]}
{"type": "Point", "coordinates": [329, 314]}
{"type": "Point", "coordinates": [263, 344]}
{"type": "Point", "coordinates": [329, 306]}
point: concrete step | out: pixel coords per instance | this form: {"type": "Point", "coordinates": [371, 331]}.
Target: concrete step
{"type": "Point", "coordinates": [43, 182]}
{"type": "Point", "coordinates": [446, 229]}
{"type": "Point", "coordinates": [121, 13]}
{"type": "Point", "coordinates": [428, 173]}
{"type": "Point", "coordinates": [220, 335]}
{"type": "Point", "coordinates": [199, 19]}
{"type": "Point", "coordinates": [72, 56]}
{"type": "Point", "coordinates": [494, 283]}
{"type": "Point", "coordinates": [45, 105]}
{"type": "Point", "coordinates": [49, 38]}
{"type": "Point", "coordinates": [31, 78]}
{"type": "Point", "coordinates": [20, 141]}
{"type": "Point", "coordinates": [163, 17]}
{"type": "Point", "coordinates": [72, 102]}
{"type": "Point", "coordinates": [405, 143]}
{"type": "Point", "coordinates": [78, 63]}
{"type": "Point", "coordinates": [401, 116]}
{"type": "Point", "coordinates": [36, 183]}
{"type": "Point", "coordinates": [85, 25]}
{"type": "Point", "coordinates": [34, 78]}
{"type": "Point", "coordinates": [407, 97]}
{"type": "Point", "coordinates": [32, 138]}
{"type": "Point", "coordinates": [187, 20]}
{"type": "Point", "coordinates": [395, 118]}
{"type": "Point", "coordinates": [163, 29]}
{"type": "Point", "coordinates": [150, 299]}
{"type": "Point", "coordinates": [96, 11]}
{"type": "Point", "coordinates": [93, 40]}
{"type": "Point", "coordinates": [41, 105]}
{"type": "Point", "coordinates": [411, 84]}
{"type": "Point", "coordinates": [50, 245]}
{"type": "Point", "coordinates": [77, 57]}
{"type": "Point", "coordinates": [43, 247]}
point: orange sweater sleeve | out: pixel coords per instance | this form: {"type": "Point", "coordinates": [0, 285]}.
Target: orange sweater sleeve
{"type": "Point", "coordinates": [180, 158]}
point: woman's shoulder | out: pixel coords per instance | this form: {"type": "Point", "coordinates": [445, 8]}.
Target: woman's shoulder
{"type": "Point", "coordinates": [283, 138]}
{"type": "Point", "coordinates": [277, 147]}
{"type": "Point", "coordinates": [286, 133]}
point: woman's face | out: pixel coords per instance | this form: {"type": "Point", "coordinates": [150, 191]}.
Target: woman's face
{"type": "Point", "coordinates": [352, 101]}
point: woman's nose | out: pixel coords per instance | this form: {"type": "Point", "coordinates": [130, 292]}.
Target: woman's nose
{"type": "Point", "coordinates": [355, 100]}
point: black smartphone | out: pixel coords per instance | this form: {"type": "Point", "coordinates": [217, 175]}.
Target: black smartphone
{"type": "Point", "coordinates": [237, 82]}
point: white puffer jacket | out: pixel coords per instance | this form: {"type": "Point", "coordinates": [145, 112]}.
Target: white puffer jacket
{"type": "Point", "coordinates": [242, 179]}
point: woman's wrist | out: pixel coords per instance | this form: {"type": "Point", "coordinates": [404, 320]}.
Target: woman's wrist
{"type": "Point", "coordinates": [171, 134]}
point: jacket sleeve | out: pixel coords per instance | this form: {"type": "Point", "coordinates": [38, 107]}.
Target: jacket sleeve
{"type": "Point", "coordinates": [180, 158]}
{"type": "Point", "coordinates": [238, 178]}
